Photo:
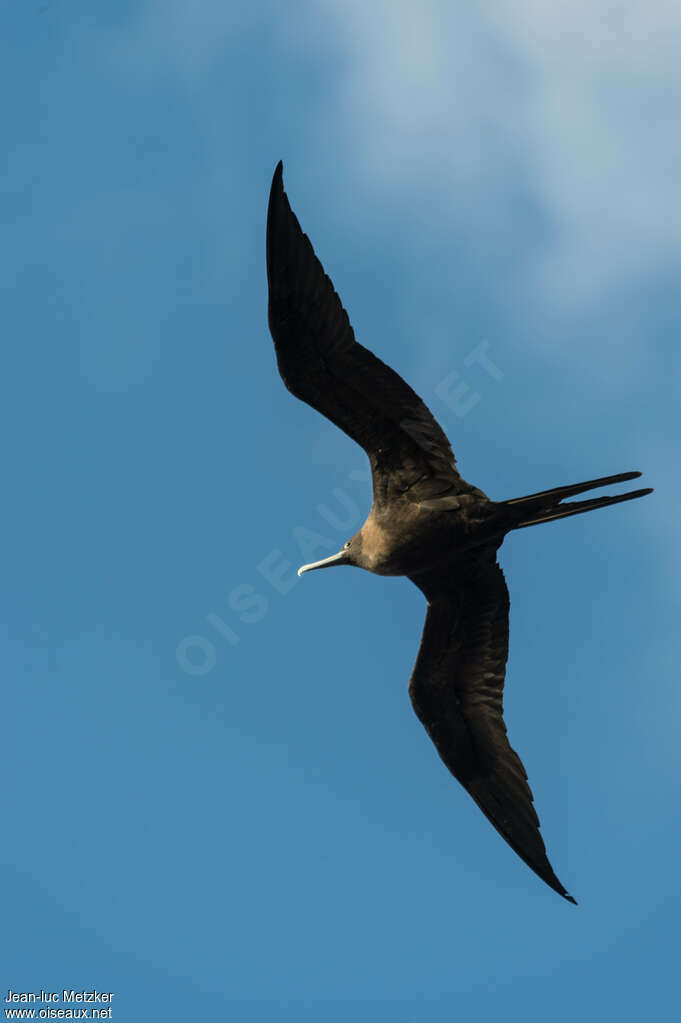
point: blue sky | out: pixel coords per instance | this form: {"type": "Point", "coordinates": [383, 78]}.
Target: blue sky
{"type": "Point", "coordinates": [218, 801]}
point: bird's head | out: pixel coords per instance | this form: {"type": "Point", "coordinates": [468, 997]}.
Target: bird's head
{"type": "Point", "coordinates": [349, 554]}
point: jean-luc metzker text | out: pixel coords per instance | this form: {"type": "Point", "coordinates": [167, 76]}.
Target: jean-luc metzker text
{"type": "Point", "coordinates": [55, 996]}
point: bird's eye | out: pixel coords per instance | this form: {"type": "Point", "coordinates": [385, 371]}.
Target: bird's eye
{"type": "Point", "coordinates": [346, 545]}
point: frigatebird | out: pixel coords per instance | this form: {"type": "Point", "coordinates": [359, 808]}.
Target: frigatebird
{"type": "Point", "coordinates": [426, 522]}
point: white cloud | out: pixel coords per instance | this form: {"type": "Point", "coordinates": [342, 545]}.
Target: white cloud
{"type": "Point", "coordinates": [573, 107]}
{"type": "Point", "coordinates": [581, 101]}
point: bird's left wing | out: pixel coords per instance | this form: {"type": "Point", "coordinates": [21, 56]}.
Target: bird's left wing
{"type": "Point", "coordinates": [322, 364]}
{"type": "Point", "coordinates": [457, 692]}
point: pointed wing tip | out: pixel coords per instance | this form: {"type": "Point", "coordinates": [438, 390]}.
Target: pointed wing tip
{"type": "Point", "coordinates": [551, 880]}
{"type": "Point", "coordinates": [275, 212]}
{"type": "Point", "coordinates": [277, 187]}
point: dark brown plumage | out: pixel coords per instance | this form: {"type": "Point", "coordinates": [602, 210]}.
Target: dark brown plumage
{"type": "Point", "coordinates": [426, 522]}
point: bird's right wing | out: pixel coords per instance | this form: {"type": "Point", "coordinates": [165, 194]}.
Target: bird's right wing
{"type": "Point", "coordinates": [457, 692]}
{"type": "Point", "coordinates": [322, 364]}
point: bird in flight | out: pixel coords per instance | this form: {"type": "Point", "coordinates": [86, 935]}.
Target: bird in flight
{"type": "Point", "coordinates": [426, 522]}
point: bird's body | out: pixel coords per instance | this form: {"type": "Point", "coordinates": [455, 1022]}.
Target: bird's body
{"type": "Point", "coordinates": [426, 522]}
{"type": "Point", "coordinates": [406, 538]}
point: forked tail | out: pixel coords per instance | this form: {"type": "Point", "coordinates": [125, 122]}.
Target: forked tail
{"type": "Point", "coordinates": [546, 506]}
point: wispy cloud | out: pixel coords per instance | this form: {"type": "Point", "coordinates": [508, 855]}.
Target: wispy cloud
{"type": "Point", "coordinates": [570, 110]}
{"type": "Point", "coordinates": [579, 101]}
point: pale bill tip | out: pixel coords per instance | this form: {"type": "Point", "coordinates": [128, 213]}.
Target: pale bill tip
{"type": "Point", "coordinates": [332, 560]}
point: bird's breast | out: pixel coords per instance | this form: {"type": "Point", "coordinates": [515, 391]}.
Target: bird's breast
{"type": "Point", "coordinates": [409, 540]}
